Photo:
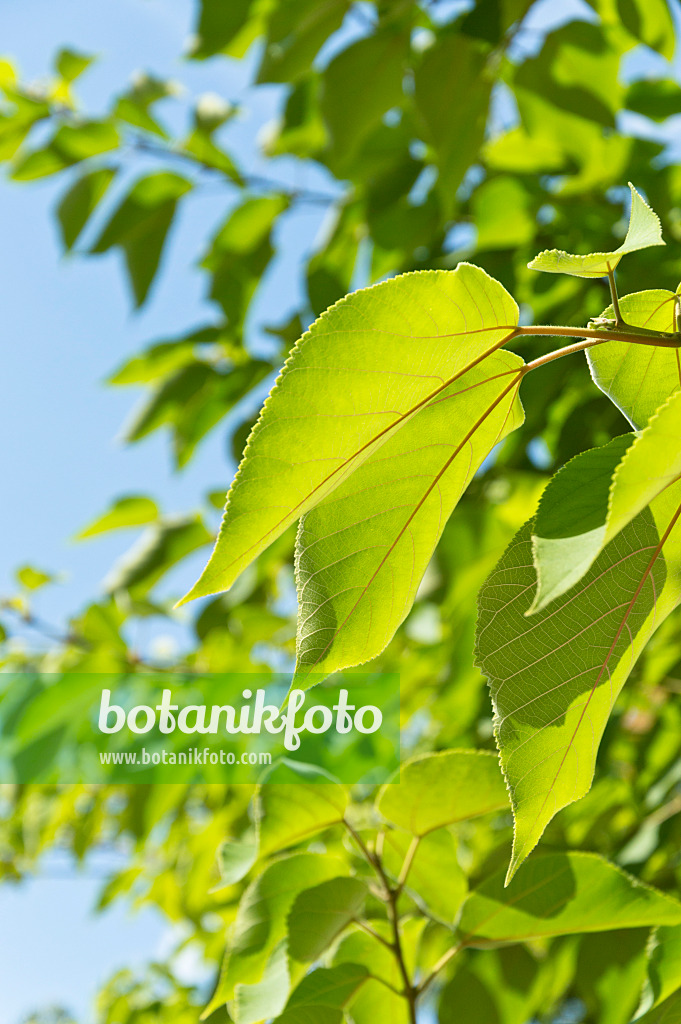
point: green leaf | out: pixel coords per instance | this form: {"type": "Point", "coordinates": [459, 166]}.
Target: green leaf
{"type": "Point", "coordinates": [240, 253]}
{"type": "Point", "coordinates": [70, 64]}
{"type": "Point", "coordinates": [654, 98]}
{"type": "Point", "coordinates": [554, 679]}
{"type": "Point", "coordinates": [664, 967]}
{"type": "Point", "coordinates": [131, 510]}
{"type": "Point", "coordinates": [502, 214]}
{"type": "Point", "coordinates": [570, 527]}
{"type": "Point", "coordinates": [610, 972]}
{"type": "Point", "coordinates": [139, 226]}
{"type": "Point", "coordinates": [644, 230]}
{"type": "Point", "coordinates": [77, 205]}
{"type": "Point", "coordinates": [321, 913]}
{"type": "Point", "coordinates": [165, 357]}
{"type": "Point", "coordinates": [361, 553]}
{"type": "Point", "coordinates": [31, 578]}
{"type": "Point", "coordinates": [563, 894]}
{"type": "Point", "coordinates": [435, 790]}
{"type": "Point", "coordinates": [265, 998]}
{"type": "Point", "coordinates": [651, 23]}
{"type": "Point", "coordinates": [287, 813]}
{"type": "Point", "coordinates": [358, 87]}
{"type": "Point", "coordinates": [220, 26]}
{"type": "Point", "coordinates": [436, 880]}
{"type": "Point", "coordinates": [261, 922]}
{"type": "Point", "coordinates": [134, 106]}
{"type": "Point", "coordinates": [322, 994]}
{"type": "Point", "coordinates": [507, 985]}
{"type": "Point", "coordinates": [639, 378]}
{"type": "Point", "coordinates": [296, 30]}
{"type": "Point", "coordinates": [201, 146]}
{"type": "Point", "coordinates": [592, 498]}
{"type": "Point", "coordinates": [577, 72]}
{"type": "Point", "coordinates": [452, 99]}
{"type": "Point", "coordinates": [668, 1012]}
{"type": "Point", "coordinates": [192, 401]}
{"type": "Point", "coordinates": [160, 547]}
{"type": "Point", "coordinates": [236, 857]}
{"type": "Point", "coordinates": [377, 999]}
{"type": "Point", "coordinates": [70, 145]}
{"type": "Point", "coordinates": [491, 19]}
{"type": "Point", "coordinates": [376, 361]}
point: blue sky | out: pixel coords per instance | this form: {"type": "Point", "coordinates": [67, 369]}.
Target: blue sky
{"type": "Point", "coordinates": [67, 324]}
{"type": "Point", "coordinates": [68, 321]}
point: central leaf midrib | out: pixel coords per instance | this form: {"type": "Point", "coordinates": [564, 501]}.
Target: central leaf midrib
{"type": "Point", "coordinates": [514, 384]}
{"type": "Point", "coordinates": [634, 599]}
{"type": "Point", "coordinates": [392, 427]}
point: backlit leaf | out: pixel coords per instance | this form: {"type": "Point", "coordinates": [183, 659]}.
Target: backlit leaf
{"type": "Point", "coordinates": [369, 370]}
{"type": "Point", "coordinates": [290, 812]}
{"type": "Point", "coordinates": [592, 498]}
{"type": "Point", "coordinates": [132, 510]}
{"type": "Point", "coordinates": [435, 790]}
{"type": "Point", "coordinates": [452, 98]}
{"type": "Point", "coordinates": [140, 224]}
{"type": "Point", "coordinates": [358, 87]}
{"type": "Point", "coordinates": [644, 230]}
{"type": "Point", "coordinates": [160, 547]}
{"type": "Point", "coordinates": [639, 378]}
{"type": "Point", "coordinates": [561, 894]}
{"type": "Point", "coordinates": [319, 914]}
{"type": "Point", "coordinates": [362, 552]}
{"type": "Point", "coordinates": [78, 204]}
{"type": "Point", "coordinates": [322, 994]}
{"type": "Point", "coordinates": [554, 677]}
{"type": "Point", "coordinates": [261, 923]}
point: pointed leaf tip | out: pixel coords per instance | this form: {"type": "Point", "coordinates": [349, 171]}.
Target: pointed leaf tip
{"type": "Point", "coordinates": [644, 231]}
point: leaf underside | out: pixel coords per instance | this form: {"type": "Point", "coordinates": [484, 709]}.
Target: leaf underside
{"type": "Point", "coordinates": [591, 499]}
{"type": "Point", "coordinates": [639, 378]}
{"type": "Point", "coordinates": [554, 677]}
{"type": "Point", "coordinates": [380, 417]}
{"type": "Point", "coordinates": [644, 230]}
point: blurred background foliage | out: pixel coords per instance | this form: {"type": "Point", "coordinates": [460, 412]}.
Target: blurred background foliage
{"type": "Point", "coordinates": [423, 133]}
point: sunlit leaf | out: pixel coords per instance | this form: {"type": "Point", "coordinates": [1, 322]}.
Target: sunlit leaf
{"type": "Point", "coordinates": [261, 922]}
{"type": "Point", "coordinates": [592, 498]}
{"type": "Point", "coordinates": [131, 510]}
{"type": "Point", "coordinates": [319, 914]}
{"type": "Point", "coordinates": [290, 812]}
{"type": "Point", "coordinates": [322, 994]}
{"type": "Point", "coordinates": [70, 64]}
{"type": "Point", "coordinates": [359, 86]}
{"type": "Point", "coordinates": [140, 224]}
{"type": "Point", "coordinates": [452, 98]}
{"type": "Point", "coordinates": [639, 378]}
{"type": "Point", "coordinates": [560, 894]}
{"type": "Point", "coordinates": [644, 230]}
{"type": "Point", "coordinates": [435, 790]}
{"type": "Point", "coordinates": [77, 205]}
{"type": "Point", "coordinates": [364, 380]}
{"type": "Point", "coordinates": [160, 547]}
{"type": "Point", "coordinates": [435, 880]}
{"type": "Point", "coordinates": [70, 145]}
{"type": "Point", "coordinates": [555, 676]}
{"type": "Point", "coordinates": [31, 578]}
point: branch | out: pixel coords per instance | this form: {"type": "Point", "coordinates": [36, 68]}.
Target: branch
{"type": "Point", "coordinates": [257, 181]}
{"type": "Point", "coordinates": [391, 897]}
{"type": "Point", "coordinates": [631, 335]}
{"type": "Point", "coordinates": [408, 861]}
{"type": "Point", "coordinates": [365, 926]}
{"type": "Point", "coordinates": [70, 639]}
{"type": "Point", "coordinates": [441, 963]}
